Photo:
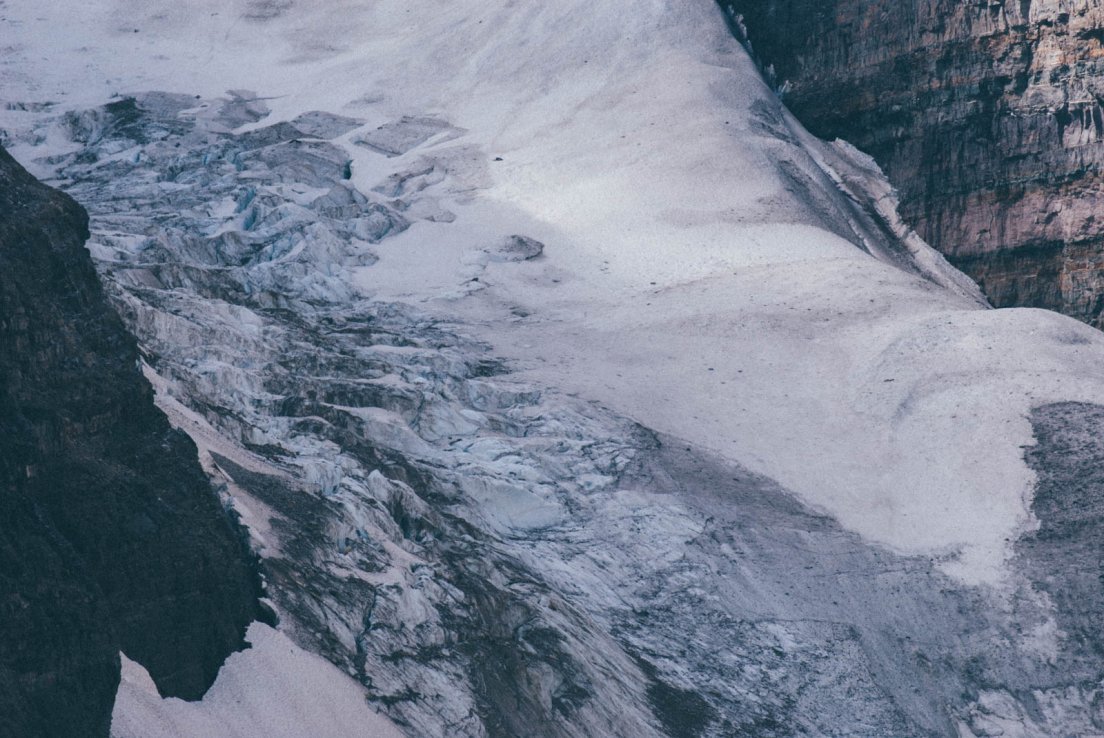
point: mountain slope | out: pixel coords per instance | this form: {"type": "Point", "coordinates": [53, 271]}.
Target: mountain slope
{"type": "Point", "coordinates": [567, 385]}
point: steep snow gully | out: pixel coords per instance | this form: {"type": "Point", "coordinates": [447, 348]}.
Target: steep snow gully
{"type": "Point", "coordinates": [566, 385]}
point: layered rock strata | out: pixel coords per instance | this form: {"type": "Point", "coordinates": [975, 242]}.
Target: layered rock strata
{"type": "Point", "coordinates": [987, 116]}
{"type": "Point", "coordinates": [111, 537]}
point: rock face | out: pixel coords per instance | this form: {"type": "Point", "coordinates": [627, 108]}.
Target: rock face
{"type": "Point", "coordinates": [986, 116]}
{"type": "Point", "coordinates": [111, 537]}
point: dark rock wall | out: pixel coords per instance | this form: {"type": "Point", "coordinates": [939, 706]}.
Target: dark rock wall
{"type": "Point", "coordinates": [987, 117]}
{"type": "Point", "coordinates": [111, 537]}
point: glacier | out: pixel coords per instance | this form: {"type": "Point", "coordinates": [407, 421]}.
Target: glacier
{"type": "Point", "coordinates": [566, 385]}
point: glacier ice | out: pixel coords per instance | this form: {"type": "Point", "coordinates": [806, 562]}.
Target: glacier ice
{"type": "Point", "coordinates": [736, 454]}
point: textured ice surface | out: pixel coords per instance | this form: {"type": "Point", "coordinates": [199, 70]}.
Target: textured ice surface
{"type": "Point", "coordinates": [556, 492]}
{"type": "Point", "coordinates": [403, 135]}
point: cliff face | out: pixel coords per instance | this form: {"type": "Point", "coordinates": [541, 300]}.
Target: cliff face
{"type": "Point", "coordinates": [111, 537]}
{"type": "Point", "coordinates": [985, 115]}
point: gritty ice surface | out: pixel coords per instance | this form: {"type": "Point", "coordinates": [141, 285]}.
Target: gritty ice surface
{"type": "Point", "coordinates": [272, 689]}
{"type": "Point", "coordinates": [689, 280]}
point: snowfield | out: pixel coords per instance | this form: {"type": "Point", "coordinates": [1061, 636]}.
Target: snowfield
{"type": "Point", "coordinates": [709, 271]}
{"type": "Point", "coordinates": [273, 688]}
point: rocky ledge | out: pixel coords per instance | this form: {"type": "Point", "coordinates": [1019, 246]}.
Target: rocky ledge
{"type": "Point", "coordinates": [111, 537]}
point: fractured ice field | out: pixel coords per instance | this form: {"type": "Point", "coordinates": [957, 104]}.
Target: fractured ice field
{"type": "Point", "coordinates": [565, 384]}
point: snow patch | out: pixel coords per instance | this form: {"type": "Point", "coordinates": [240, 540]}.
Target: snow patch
{"type": "Point", "coordinates": [273, 689]}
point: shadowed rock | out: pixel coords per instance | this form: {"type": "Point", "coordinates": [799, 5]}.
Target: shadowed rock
{"type": "Point", "coordinates": [111, 537]}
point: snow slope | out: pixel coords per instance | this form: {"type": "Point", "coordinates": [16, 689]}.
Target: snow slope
{"type": "Point", "coordinates": [273, 688]}
{"type": "Point", "coordinates": [634, 144]}
{"type": "Point", "coordinates": [701, 272]}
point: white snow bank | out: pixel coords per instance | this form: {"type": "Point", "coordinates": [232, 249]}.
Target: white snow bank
{"type": "Point", "coordinates": [274, 689]}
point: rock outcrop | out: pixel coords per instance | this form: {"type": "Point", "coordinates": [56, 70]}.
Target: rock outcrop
{"type": "Point", "coordinates": [987, 116]}
{"type": "Point", "coordinates": [111, 537]}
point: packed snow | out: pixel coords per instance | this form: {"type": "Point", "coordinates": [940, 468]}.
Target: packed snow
{"type": "Point", "coordinates": [274, 688]}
